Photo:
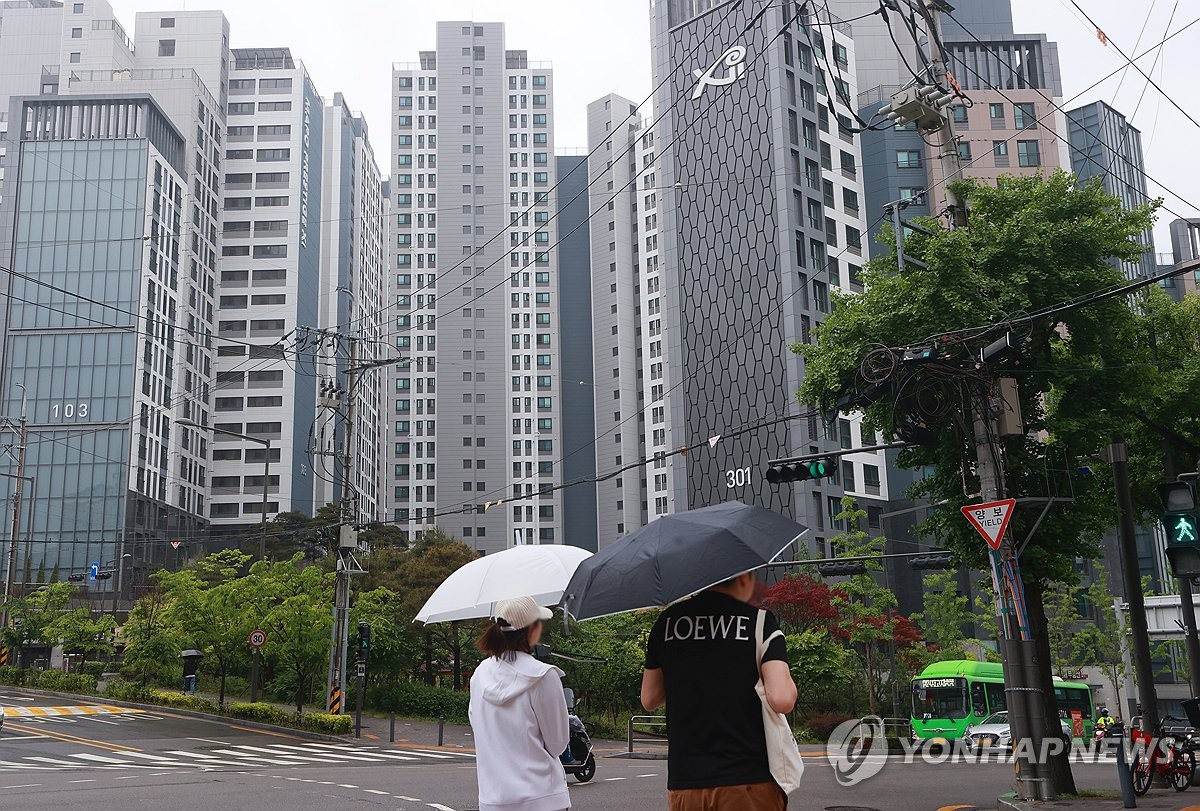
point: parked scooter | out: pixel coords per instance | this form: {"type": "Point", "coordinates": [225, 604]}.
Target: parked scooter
{"type": "Point", "coordinates": [578, 759]}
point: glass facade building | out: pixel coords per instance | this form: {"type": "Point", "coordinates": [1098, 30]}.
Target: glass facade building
{"type": "Point", "coordinates": [91, 329]}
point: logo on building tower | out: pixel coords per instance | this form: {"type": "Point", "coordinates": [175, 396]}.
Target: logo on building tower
{"type": "Point", "coordinates": [732, 64]}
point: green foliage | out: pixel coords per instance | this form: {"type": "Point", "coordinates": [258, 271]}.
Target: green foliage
{"type": "Point", "coordinates": [95, 669]}
{"type": "Point", "coordinates": [822, 724]}
{"type": "Point", "coordinates": [262, 712]}
{"type": "Point", "coordinates": [33, 618]}
{"type": "Point", "coordinates": [328, 724]}
{"type": "Point", "coordinates": [152, 642]}
{"type": "Point", "coordinates": [1102, 643]}
{"type": "Point", "coordinates": [613, 684]}
{"type": "Point", "coordinates": [826, 672]}
{"type": "Point", "coordinates": [420, 701]}
{"type": "Point", "coordinates": [60, 682]}
{"type": "Point", "coordinates": [298, 622]}
{"type": "Point", "coordinates": [183, 701]}
{"type": "Point", "coordinates": [128, 691]}
{"type": "Point", "coordinates": [1033, 243]}
{"type": "Point", "coordinates": [947, 612]}
{"type": "Point", "coordinates": [13, 676]}
{"type": "Point", "coordinates": [81, 632]}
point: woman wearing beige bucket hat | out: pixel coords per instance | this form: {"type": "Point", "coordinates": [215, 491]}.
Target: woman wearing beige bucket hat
{"type": "Point", "coordinates": [518, 715]}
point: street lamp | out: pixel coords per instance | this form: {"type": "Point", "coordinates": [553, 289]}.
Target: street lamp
{"type": "Point", "coordinates": [117, 591]}
{"type": "Point", "coordinates": [266, 443]}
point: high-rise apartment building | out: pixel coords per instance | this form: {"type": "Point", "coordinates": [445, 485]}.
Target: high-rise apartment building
{"type": "Point", "coordinates": [225, 270]}
{"type": "Point", "coordinates": [1014, 125]}
{"type": "Point", "coordinates": [270, 288]}
{"type": "Point", "coordinates": [1105, 145]}
{"type": "Point", "coordinates": [353, 233]}
{"type": "Point", "coordinates": [756, 174]}
{"type": "Point", "coordinates": [475, 416]}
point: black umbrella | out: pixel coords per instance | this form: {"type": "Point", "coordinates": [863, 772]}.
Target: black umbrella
{"type": "Point", "coordinates": [676, 556]}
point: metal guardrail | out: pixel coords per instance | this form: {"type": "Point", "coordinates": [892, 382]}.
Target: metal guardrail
{"type": "Point", "coordinates": [892, 727]}
{"type": "Point", "coordinates": [659, 739]}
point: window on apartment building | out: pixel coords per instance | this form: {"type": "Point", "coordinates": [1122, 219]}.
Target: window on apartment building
{"type": "Point", "coordinates": [76, 33]}
{"type": "Point", "coordinates": [908, 159]}
{"type": "Point", "coordinates": [964, 150]}
{"type": "Point", "coordinates": [871, 484]}
{"type": "Point", "coordinates": [166, 22]}
{"type": "Point", "coordinates": [274, 106]}
{"type": "Point", "coordinates": [274, 84]}
{"type": "Point", "coordinates": [78, 8]}
{"type": "Point", "coordinates": [75, 57]}
{"type": "Point", "coordinates": [166, 47]}
{"type": "Point", "coordinates": [274, 155]}
{"type": "Point", "coordinates": [241, 108]}
{"type": "Point", "coordinates": [960, 114]}
{"type": "Point", "coordinates": [242, 84]}
{"type": "Point", "coordinates": [1027, 153]}
{"type": "Point", "coordinates": [996, 114]}
{"type": "Point", "coordinates": [1025, 115]}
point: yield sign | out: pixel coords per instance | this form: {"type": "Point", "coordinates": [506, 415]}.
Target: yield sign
{"type": "Point", "coordinates": [991, 519]}
{"type": "Point", "coordinates": [175, 544]}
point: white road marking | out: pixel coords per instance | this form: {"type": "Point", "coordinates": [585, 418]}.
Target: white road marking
{"type": "Point", "coordinates": [647, 775]}
{"type": "Point", "coordinates": [346, 785]}
{"type": "Point", "coordinates": [612, 779]}
{"type": "Point", "coordinates": [102, 759]}
{"type": "Point", "coordinates": [439, 806]}
{"type": "Point", "coordinates": [409, 799]}
{"type": "Point", "coordinates": [23, 785]}
{"type": "Point", "coordinates": [375, 791]}
{"type": "Point", "coordinates": [424, 754]}
{"type": "Point", "coordinates": [81, 781]}
{"type": "Point", "coordinates": [324, 755]}
{"type": "Point", "coordinates": [272, 761]}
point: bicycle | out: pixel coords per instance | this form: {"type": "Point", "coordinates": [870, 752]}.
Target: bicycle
{"type": "Point", "coordinates": [1165, 758]}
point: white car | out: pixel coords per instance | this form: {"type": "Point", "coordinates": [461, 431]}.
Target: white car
{"type": "Point", "coordinates": [995, 735]}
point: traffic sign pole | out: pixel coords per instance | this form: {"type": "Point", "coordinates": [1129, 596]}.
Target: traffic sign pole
{"type": "Point", "coordinates": [257, 640]}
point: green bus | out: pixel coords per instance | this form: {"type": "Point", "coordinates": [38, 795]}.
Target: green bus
{"type": "Point", "coordinates": [949, 696]}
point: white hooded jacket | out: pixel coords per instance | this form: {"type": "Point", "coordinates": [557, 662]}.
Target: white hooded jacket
{"type": "Point", "coordinates": [519, 721]}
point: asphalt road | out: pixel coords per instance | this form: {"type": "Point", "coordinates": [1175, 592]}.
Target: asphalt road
{"type": "Point", "coordinates": [112, 759]}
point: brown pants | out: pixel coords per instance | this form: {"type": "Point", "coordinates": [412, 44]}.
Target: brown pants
{"type": "Point", "coordinates": [747, 797]}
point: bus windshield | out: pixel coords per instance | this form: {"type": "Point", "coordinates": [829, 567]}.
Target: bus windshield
{"type": "Point", "coordinates": [940, 698]}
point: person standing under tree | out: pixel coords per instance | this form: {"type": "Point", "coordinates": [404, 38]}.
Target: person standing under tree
{"type": "Point", "coordinates": [518, 715]}
{"type": "Point", "coordinates": [701, 661]}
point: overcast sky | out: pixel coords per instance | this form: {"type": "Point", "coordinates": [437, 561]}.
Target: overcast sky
{"type": "Point", "coordinates": [598, 48]}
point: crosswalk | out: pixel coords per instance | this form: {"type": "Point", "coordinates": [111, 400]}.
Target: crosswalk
{"type": "Point", "coordinates": [234, 756]}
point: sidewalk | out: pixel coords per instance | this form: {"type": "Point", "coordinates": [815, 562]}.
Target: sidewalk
{"type": "Point", "coordinates": [1156, 800]}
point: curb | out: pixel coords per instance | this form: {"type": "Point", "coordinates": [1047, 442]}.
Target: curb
{"type": "Point", "coordinates": [203, 716]}
{"type": "Point", "coordinates": [638, 756]}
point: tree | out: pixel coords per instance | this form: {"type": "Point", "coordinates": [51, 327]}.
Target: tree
{"type": "Point", "coordinates": [298, 622]}
{"type": "Point", "coordinates": [33, 618]}
{"type": "Point", "coordinates": [1062, 622]}
{"type": "Point", "coordinates": [81, 632]}
{"type": "Point", "coordinates": [802, 603]}
{"type": "Point", "coordinates": [1033, 244]}
{"type": "Point", "coordinates": [946, 613]}
{"type": "Point", "coordinates": [212, 606]}
{"type": "Point", "coordinates": [394, 648]}
{"type": "Point", "coordinates": [151, 640]}
{"type": "Point", "coordinates": [1102, 643]}
{"type": "Point", "coordinates": [868, 619]}
{"type": "Point", "coordinates": [824, 670]}
{"type": "Point", "coordinates": [434, 557]}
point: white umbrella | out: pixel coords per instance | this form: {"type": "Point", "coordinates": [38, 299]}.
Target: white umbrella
{"type": "Point", "coordinates": [537, 571]}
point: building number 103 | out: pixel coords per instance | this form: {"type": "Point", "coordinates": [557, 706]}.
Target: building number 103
{"type": "Point", "coordinates": [69, 411]}
{"type": "Point", "coordinates": [737, 478]}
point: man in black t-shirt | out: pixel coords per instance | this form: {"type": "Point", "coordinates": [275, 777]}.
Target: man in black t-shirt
{"type": "Point", "coordinates": [701, 661]}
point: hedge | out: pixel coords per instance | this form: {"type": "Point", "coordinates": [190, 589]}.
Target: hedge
{"type": "Point", "coordinates": [328, 724]}
{"type": "Point", "coordinates": [128, 691]}
{"type": "Point", "coordinates": [420, 701]}
{"type": "Point", "coordinates": [64, 682]}
{"type": "Point", "coordinates": [12, 676]}
{"type": "Point", "coordinates": [262, 712]}
{"type": "Point", "coordinates": [183, 701]}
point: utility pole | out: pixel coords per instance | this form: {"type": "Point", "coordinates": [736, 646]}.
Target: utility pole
{"type": "Point", "coordinates": [1118, 457]}
{"type": "Point", "coordinates": [10, 578]}
{"type": "Point", "coordinates": [1018, 649]}
{"type": "Point", "coordinates": [347, 541]}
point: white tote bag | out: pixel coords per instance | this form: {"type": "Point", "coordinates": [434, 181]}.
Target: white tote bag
{"type": "Point", "coordinates": [783, 756]}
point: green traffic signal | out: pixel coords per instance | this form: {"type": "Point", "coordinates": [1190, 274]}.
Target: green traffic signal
{"type": "Point", "coordinates": [1181, 528]}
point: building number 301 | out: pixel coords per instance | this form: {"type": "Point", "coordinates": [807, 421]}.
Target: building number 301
{"type": "Point", "coordinates": [69, 411]}
{"type": "Point", "coordinates": [737, 478]}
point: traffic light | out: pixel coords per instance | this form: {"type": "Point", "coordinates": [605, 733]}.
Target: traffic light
{"type": "Point", "coordinates": [75, 578]}
{"type": "Point", "coordinates": [1181, 520]}
{"type": "Point", "coordinates": [364, 640]}
{"type": "Point", "coordinates": [802, 471]}
{"type": "Point", "coordinates": [104, 575]}
{"type": "Point", "coordinates": [841, 568]}
{"type": "Point", "coordinates": [933, 560]}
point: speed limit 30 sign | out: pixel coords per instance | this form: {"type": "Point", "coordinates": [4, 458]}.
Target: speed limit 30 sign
{"type": "Point", "coordinates": [257, 639]}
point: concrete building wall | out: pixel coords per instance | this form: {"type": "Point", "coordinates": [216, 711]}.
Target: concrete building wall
{"type": "Point", "coordinates": [579, 381]}
{"type": "Point", "coordinates": [476, 280]}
